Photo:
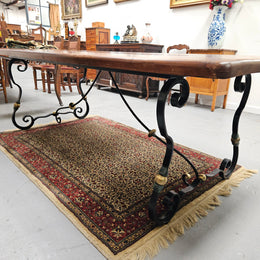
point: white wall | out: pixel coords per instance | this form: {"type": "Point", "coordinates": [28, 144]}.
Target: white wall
{"type": "Point", "coordinates": [14, 16]}
{"type": "Point", "coordinates": [187, 25]}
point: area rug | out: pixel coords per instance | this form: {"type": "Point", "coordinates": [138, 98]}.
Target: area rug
{"type": "Point", "coordinates": [100, 174]}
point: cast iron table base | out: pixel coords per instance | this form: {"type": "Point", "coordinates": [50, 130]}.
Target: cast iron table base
{"type": "Point", "coordinates": [178, 99]}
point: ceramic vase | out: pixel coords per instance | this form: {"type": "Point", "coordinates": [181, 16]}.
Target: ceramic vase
{"type": "Point", "coordinates": [147, 38]}
{"type": "Point", "coordinates": [217, 28]}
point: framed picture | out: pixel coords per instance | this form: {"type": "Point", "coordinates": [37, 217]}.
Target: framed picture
{"type": "Point", "coordinates": [70, 9]}
{"type": "Point", "coordinates": [37, 12]}
{"type": "Point", "coordinates": [118, 1]}
{"type": "Point", "coordinates": [182, 3]}
{"type": "Point", "coordinates": [95, 2]}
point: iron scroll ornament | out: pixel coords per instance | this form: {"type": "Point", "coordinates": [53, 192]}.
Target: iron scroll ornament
{"type": "Point", "coordinates": [227, 166]}
{"type": "Point", "coordinates": [171, 201]}
{"type": "Point", "coordinates": [172, 198]}
{"type": "Point", "coordinates": [72, 108]}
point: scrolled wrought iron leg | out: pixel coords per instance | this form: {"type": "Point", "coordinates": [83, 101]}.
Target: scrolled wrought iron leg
{"type": "Point", "coordinates": [227, 167]}
{"type": "Point", "coordinates": [173, 198]}
{"type": "Point", "coordinates": [22, 66]}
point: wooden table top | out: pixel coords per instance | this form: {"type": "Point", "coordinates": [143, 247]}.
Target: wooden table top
{"type": "Point", "coordinates": [153, 64]}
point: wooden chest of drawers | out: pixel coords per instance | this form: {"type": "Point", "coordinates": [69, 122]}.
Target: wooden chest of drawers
{"type": "Point", "coordinates": [129, 82]}
{"type": "Point", "coordinates": [95, 36]}
{"type": "Point", "coordinates": [210, 87]}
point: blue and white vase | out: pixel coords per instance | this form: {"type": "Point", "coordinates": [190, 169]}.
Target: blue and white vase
{"type": "Point", "coordinates": [217, 28]}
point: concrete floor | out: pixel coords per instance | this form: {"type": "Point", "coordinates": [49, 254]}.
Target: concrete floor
{"type": "Point", "coordinates": [31, 227]}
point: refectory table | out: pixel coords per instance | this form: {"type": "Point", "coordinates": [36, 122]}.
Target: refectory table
{"type": "Point", "coordinates": [175, 68]}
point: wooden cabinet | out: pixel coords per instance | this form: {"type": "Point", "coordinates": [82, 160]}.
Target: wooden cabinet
{"type": "Point", "coordinates": [210, 87]}
{"type": "Point", "coordinates": [129, 82]}
{"type": "Point", "coordinates": [94, 36]}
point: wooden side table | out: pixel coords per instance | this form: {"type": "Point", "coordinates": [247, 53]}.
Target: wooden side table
{"type": "Point", "coordinates": [210, 87]}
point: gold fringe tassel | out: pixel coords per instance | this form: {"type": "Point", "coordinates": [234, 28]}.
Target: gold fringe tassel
{"type": "Point", "coordinates": [185, 218]}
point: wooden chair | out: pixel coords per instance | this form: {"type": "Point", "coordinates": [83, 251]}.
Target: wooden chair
{"type": "Point", "coordinates": [176, 48]}
{"type": "Point", "coordinates": [70, 76]}
{"type": "Point", "coordinates": [2, 81]}
{"type": "Point", "coordinates": [58, 42]}
{"type": "Point", "coordinates": [67, 74]}
{"type": "Point", "coordinates": [39, 34]}
{"type": "Point", "coordinates": [38, 67]}
{"type": "Point", "coordinates": [61, 75]}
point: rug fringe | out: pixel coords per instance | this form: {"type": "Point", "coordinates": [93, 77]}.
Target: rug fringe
{"type": "Point", "coordinates": [188, 216]}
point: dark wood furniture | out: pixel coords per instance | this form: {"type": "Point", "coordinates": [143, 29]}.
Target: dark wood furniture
{"type": "Point", "coordinates": [94, 36]}
{"type": "Point", "coordinates": [210, 87]}
{"type": "Point", "coordinates": [129, 82]}
{"type": "Point", "coordinates": [173, 67]}
{"type": "Point", "coordinates": [131, 47]}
